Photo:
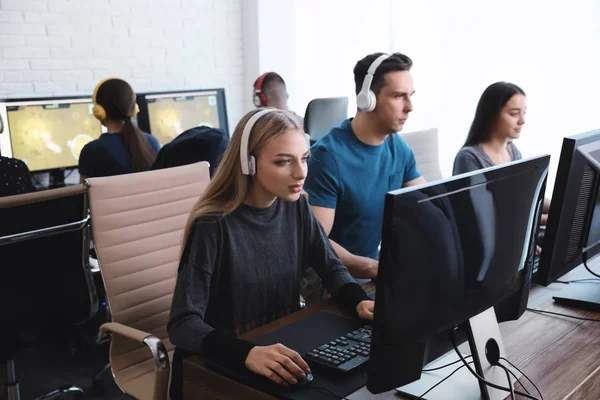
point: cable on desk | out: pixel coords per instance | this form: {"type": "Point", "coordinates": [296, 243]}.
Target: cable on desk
{"type": "Point", "coordinates": [517, 378]}
{"type": "Point", "coordinates": [526, 377]}
{"type": "Point", "coordinates": [69, 173]}
{"type": "Point", "coordinates": [443, 380]}
{"type": "Point", "coordinates": [331, 392]}
{"type": "Point", "coordinates": [476, 375]}
{"type": "Point", "coordinates": [510, 385]}
{"type": "Point", "coordinates": [584, 258]}
{"type": "Point", "coordinates": [533, 310]}
{"type": "Point", "coordinates": [322, 389]}
{"type": "Point", "coordinates": [444, 366]}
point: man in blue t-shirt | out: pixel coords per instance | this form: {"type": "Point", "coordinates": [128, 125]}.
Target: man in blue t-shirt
{"type": "Point", "coordinates": [357, 163]}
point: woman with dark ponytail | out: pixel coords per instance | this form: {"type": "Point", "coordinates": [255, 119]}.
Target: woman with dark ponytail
{"type": "Point", "coordinates": [125, 148]}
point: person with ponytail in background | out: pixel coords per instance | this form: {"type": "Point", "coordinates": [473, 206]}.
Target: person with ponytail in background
{"type": "Point", "coordinates": [124, 148]}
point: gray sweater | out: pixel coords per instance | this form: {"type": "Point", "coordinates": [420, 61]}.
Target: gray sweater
{"type": "Point", "coordinates": [243, 270]}
{"type": "Point", "coordinates": [472, 158]}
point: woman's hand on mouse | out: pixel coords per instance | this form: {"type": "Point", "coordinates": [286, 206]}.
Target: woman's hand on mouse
{"type": "Point", "coordinates": [365, 309]}
{"type": "Point", "coordinates": [278, 363]}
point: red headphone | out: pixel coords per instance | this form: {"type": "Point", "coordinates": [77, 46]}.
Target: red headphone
{"type": "Point", "coordinates": [259, 98]}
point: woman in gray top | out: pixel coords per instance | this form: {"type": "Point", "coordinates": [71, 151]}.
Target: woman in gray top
{"type": "Point", "coordinates": [498, 121]}
{"type": "Point", "coordinates": [247, 242]}
{"type": "Point", "coordinates": [499, 117]}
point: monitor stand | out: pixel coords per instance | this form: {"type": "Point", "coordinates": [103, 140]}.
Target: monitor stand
{"type": "Point", "coordinates": [463, 385]}
{"type": "Point", "coordinates": [583, 295]}
{"type": "Point", "coordinates": [57, 178]}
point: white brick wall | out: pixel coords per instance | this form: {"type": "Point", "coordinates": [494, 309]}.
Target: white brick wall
{"type": "Point", "coordinates": [64, 47]}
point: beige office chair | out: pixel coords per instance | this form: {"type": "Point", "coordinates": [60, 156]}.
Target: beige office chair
{"type": "Point", "coordinates": [424, 145]}
{"type": "Point", "coordinates": [137, 225]}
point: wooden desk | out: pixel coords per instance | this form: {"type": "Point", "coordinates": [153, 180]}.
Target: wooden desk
{"type": "Point", "coordinates": [560, 355]}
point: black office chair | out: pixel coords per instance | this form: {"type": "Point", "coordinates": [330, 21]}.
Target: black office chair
{"type": "Point", "coordinates": [45, 278]}
{"type": "Point", "coordinates": [197, 144]}
{"type": "Point", "coordinates": [323, 114]}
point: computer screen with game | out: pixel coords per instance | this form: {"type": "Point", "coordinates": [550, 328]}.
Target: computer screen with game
{"type": "Point", "coordinates": [450, 252]}
{"type": "Point", "coordinates": [572, 234]}
{"type": "Point", "coordinates": [47, 134]}
{"type": "Point", "coordinates": [166, 115]}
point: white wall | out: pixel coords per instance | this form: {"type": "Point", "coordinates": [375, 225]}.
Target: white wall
{"type": "Point", "coordinates": [269, 37]}
{"type": "Point", "coordinates": [64, 47]}
{"type": "Point", "coordinates": [331, 36]}
{"type": "Point", "coordinates": [314, 44]}
{"type": "Point", "coordinates": [551, 49]}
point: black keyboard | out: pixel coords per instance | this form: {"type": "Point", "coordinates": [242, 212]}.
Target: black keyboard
{"type": "Point", "coordinates": [345, 353]}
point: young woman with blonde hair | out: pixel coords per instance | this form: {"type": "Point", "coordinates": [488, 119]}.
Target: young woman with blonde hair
{"type": "Point", "coordinates": [247, 242]}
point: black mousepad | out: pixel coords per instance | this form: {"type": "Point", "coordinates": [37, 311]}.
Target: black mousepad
{"type": "Point", "coordinates": [303, 336]}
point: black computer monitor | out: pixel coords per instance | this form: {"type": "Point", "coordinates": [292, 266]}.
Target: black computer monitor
{"type": "Point", "coordinates": [573, 228]}
{"type": "Point", "coordinates": [450, 251]}
{"type": "Point", "coordinates": [167, 114]}
{"type": "Point", "coordinates": [48, 134]}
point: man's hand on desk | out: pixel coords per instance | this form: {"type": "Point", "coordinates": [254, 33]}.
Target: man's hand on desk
{"type": "Point", "coordinates": [364, 267]}
{"type": "Point", "coordinates": [365, 309]}
{"type": "Point", "coordinates": [278, 363]}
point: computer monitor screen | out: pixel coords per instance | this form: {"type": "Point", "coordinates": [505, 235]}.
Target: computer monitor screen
{"type": "Point", "coordinates": [450, 250]}
{"type": "Point", "coordinates": [49, 134]}
{"type": "Point", "coordinates": [574, 219]}
{"type": "Point", "coordinates": [166, 115]}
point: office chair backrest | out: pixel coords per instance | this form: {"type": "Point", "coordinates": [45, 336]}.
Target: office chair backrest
{"type": "Point", "coordinates": [45, 279]}
{"type": "Point", "coordinates": [137, 222]}
{"type": "Point", "coordinates": [323, 114]}
{"type": "Point", "coordinates": [424, 145]}
{"type": "Point", "coordinates": [201, 143]}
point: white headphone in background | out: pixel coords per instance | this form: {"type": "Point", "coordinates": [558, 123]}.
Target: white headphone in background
{"type": "Point", "coordinates": [247, 160]}
{"type": "Point", "coordinates": [366, 99]}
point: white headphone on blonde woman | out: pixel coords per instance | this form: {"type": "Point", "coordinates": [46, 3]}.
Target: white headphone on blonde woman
{"type": "Point", "coordinates": [248, 161]}
{"type": "Point", "coordinates": [366, 99]}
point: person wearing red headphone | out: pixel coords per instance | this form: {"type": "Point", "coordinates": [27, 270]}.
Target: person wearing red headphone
{"type": "Point", "coordinates": [270, 91]}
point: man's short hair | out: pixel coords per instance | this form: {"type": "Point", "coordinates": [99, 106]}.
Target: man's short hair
{"type": "Point", "coordinates": [396, 62]}
{"type": "Point", "coordinates": [271, 79]}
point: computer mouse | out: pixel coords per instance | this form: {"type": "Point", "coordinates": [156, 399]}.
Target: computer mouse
{"type": "Point", "coordinates": [303, 382]}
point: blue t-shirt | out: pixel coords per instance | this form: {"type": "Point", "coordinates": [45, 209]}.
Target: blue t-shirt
{"type": "Point", "coordinates": [108, 156]}
{"type": "Point", "coordinates": [353, 177]}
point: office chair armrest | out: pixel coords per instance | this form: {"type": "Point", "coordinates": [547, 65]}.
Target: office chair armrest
{"type": "Point", "coordinates": [154, 344]}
